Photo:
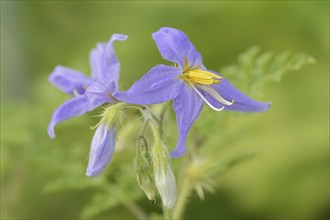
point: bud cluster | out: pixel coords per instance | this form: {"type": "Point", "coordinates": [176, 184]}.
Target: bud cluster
{"type": "Point", "coordinates": [143, 168]}
{"type": "Point", "coordinates": [152, 165]}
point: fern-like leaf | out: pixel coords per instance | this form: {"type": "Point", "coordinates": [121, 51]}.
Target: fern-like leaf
{"type": "Point", "coordinates": [255, 68]}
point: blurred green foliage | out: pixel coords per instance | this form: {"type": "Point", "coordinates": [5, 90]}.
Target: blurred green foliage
{"type": "Point", "coordinates": [254, 69]}
{"type": "Point", "coordinates": [288, 175]}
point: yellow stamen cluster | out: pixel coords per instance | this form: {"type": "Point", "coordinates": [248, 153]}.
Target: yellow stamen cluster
{"type": "Point", "coordinates": [201, 77]}
{"type": "Point", "coordinates": [196, 75]}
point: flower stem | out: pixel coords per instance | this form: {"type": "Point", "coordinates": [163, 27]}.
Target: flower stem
{"type": "Point", "coordinates": [166, 213]}
{"type": "Point", "coordinates": [145, 110]}
{"type": "Point", "coordinates": [161, 117]}
{"type": "Point", "coordinates": [155, 131]}
{"type": "Point", "coordinates": [136, 210]}
{"type": "Point", "coordinates": [143, 128]}
{"type": "Point", "coordinates": [182, 199]}
{"type": "Point", "coordinates": [163, 111]}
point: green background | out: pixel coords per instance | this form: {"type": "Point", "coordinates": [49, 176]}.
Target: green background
{"type": "Point", "coordinates": [287, 179]}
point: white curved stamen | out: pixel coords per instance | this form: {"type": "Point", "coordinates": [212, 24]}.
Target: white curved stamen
{"type": "Point", "coordinates": [212, 92]}
{"type": "Point", "coordinates": [75, 92]}
{"type": "Point", "coordinates": [204, 99]}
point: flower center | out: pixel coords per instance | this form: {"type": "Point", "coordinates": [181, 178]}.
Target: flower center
{"type": "Point", "coordinates": [201, 77]}
{"type": "Point", "coordinates": [202, 80]}
{"type": "Point", "coordinates": [195, 75]}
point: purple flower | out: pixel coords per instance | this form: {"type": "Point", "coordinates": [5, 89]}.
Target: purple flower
{"type": "Point", "coordinates": [188, 83]}
{"type": "Point", "coordinates": [88, 93]}
{"type": "Point", "coordinates": [102, 147]}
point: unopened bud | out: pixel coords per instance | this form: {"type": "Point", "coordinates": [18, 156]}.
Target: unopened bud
{"type": "Point", "coordinates": [104, 139]}
{"type": "Point", "coordinates": [143, 169]}
{"type": "Point", "coordinates": [101, 151]}
{"type": "Point", "coordinates": [164, 177]}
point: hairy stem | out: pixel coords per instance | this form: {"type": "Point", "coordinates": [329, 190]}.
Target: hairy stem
{"type": "Point", "coordinates": [155, 131]}
{"type": "Point", "coordinates": [161, 117]}
{"type": "Point", "coordinates": [143, 128]}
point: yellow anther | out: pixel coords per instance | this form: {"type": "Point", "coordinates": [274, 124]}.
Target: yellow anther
{"type": "Point", "coordinates": [201, 77]}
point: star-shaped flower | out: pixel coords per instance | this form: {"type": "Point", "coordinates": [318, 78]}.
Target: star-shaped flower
{"type": "Point", "coordinates": [189, 84]}
{"type": "Point", "coordinates": [88, 94]}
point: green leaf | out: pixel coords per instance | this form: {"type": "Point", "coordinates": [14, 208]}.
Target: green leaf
{"type": "Point", "coordinates": [72, 183]}
{"type": "Point", "coordinates": [240, 159]}
{"type": "Point", "coordinates": [105, 200]}
{"type": "Point", "coordinates": [227, 165]}
{"type": "Point", "coordinates": [254, 68]}
{"type": "Point", "coordinates": [122, 190]}
{"type": "Point", "coordinates": [99, 203]}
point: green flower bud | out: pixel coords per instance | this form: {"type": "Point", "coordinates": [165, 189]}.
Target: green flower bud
{"type": "Point", "coordinates": [143, 169]}
{"type": "Point", "coordinates": [164, 177]}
